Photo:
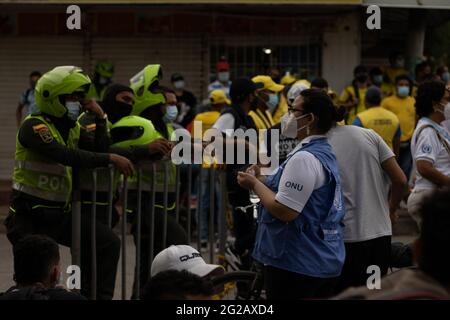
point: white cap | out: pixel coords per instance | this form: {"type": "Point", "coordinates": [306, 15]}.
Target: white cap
{"type": "Point", "coordinates": [295, 91]}
{"type": "Point", "coordinates": [183, 257]}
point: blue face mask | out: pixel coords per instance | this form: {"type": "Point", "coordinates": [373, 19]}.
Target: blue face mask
{"type": "Point", "coordinates": [445, 76]}
{"type": "Point", "coordinates": [403, 91]}
{"type": "Point", "coordinates": [73, 110]}
{"type": "Point", "coordinates": [171, 113]}
{"type": "Point", "coordinates": [273, 102]}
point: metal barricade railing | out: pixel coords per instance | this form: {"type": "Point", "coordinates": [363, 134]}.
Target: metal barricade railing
{"type": "Point", "coordinates": [151, 168]}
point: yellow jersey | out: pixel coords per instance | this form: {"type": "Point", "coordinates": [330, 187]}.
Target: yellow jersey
{"type": "Point", "coordinates": [281, 110]}
{"type": "Point", "coordinates": [405, 111]}
{"type": "Point", "coordinates": [262, 120]}
{"type": "Point", "coordinates": [349, 95]}
{"type": "Point", "coordinates": [382, 121]}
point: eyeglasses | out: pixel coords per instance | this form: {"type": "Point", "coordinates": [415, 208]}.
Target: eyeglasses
{"type": "Point", "coordinates": [292, 110]}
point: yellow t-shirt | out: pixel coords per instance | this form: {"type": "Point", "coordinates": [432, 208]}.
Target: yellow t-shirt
{"type": "Point", "coordinates": [281, 110]}
{"type": "Point", "coordinates": [348, 95]}
{"type": "Point", "coordinates": [404, 109]}
{"type": "Point", "coordinates": [382, 121]}
{"type": "Point", "coordinates": [207, 119]}
{"type": "Point", "coordinates": [393, 73]}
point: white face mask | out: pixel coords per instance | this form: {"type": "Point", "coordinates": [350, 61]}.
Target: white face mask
{"type": "Point", "coordinates": [289, 125]}
{"type": "Point", "coordinates": [446, 110]}
{"type": "Point", "coordinates": [224, 76]}
{"type": "Point", "coordinates": [73, 110]}
{"type": "Point", "coordinates": [103, 80]}
{"type": "Point", "coordinates": [178, 84]}
{"type": "Point", "coordinates": [171, 113]}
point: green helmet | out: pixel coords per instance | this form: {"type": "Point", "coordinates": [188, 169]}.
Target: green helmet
{"type": "Point", "coordinates": [132, 131]}
{"type": "Point", "coordinates": [143, 85]}
{"type": "Point", "coordinates": [104, 69]}
{"type": "Point", "coordinates": [59, 81]}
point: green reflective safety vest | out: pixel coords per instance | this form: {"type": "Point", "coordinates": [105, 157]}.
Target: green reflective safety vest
{"type": "Point", "coordinates": [86, 183]}
{"type": "Point", "coordinates": [159, 174]}
{"type": "Point", "coordinates": [39, 176]}
{"type": "Point", "coordinates": [94, 94]}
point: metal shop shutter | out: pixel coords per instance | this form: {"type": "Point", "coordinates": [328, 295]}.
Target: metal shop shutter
{"type": "Point", "coordinates": [18, 57]}
{"type": "Point", "coordinates": [130, 55]}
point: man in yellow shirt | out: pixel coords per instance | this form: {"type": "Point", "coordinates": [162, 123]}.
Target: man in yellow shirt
{"type": "Point", "coordinates": [218, 100]}
{"type": "Point", "coordinates": [352, 98]}
{"type": "Point", "coordinates": [402, 104]}
{"type": "Point", "coordinates": [268, 100]}
{"type": "Point", "coordinates": [382, 121]}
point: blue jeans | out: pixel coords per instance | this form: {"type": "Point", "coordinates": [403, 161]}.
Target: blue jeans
{"type": "Point", "coordinates": [206, 201]}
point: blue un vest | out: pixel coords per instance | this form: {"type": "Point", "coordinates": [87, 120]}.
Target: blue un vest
{"type": "Point", "coordinates": [311, 244]}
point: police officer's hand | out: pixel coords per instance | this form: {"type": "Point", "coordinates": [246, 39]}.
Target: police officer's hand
{"type": "Point", "coordinates": [122, 164]}
{"type": "Point", "coordinates": [160, 147]}
{"type": "Point", "coordinates": [246, 180]}
{"type": "Point", "coordinates": [92, 106]}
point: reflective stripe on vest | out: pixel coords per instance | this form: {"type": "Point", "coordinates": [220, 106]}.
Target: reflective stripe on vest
{"type": "Point", "coordinates": [39, 193]}
{"type": "Point", "coordinates": [55, 169]}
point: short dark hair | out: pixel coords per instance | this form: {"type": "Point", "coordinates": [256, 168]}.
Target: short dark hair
{"type": "Point", "coordinates": [429, 93]}
{"type": "Point", "coordinates": [373, 96]}
{"type": "Point", "coordinates": [176, 285]}
{"type": "Point", "coordinates": [320, 83]}
{"type": "Point", "coordinates": [434, 258]}
{"type": "Point", "coordinates": [403, 77]}
{"type": "Point", "coordinates": [359, 69]}
{"type": "Point", "coordinates": [34, 255]}
{"type": "Point", "coordinates": [35, 74]}
{"type": "Point", "coordinates": [421, 66]}
{"type": "Point", "coordinates": [319, 103]}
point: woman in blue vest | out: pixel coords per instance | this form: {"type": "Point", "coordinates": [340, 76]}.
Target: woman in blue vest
{"type": "Point", "coordinates": [299, 224]}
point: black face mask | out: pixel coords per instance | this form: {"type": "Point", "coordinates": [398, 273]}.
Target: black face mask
{"type": "Point", "coordinates": [118, 110]}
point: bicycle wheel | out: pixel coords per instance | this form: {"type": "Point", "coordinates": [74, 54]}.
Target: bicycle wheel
{"type": "Point", "coordinates": [237, 285]}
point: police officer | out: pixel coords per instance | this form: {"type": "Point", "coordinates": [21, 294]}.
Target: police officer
{"type": "Point", "coordinates": [117, 103]}
{"type": "Point", "coordinates": [46, 149]}
{"type": "Point", "coordinates": [158, 105]}
{"type": "Point", "coordinates": [103, 73]}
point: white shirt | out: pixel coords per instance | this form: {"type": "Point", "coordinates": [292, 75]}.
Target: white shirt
{"type": "Point", "coordinates": [428, 147]}
{"type": "Point", "coordinates": [225, 124]}
{"type": "Point", "coordinates": [365, 185]}
{"type": "Point", "coordinates": [302, 175]}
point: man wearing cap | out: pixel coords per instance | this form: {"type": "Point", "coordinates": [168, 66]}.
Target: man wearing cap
{"type": "Point", "coordinates": [382, 121]}
{"type": "Point", "coordinates": [186, 101]}
{"type": "Point", "coordinates": [268, 100]}
{"type": "Point", "coordinates": [184, 257]}
{"type": "Point", "coordinates": [243, 98]}
{"type": "Point", "coordinates": [223, 78]}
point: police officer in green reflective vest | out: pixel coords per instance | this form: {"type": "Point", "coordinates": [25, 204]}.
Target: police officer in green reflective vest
{"type": "Point", "coordinates": [117, 103]}
{"type": "Point", "coordinates": [46, 151]}
{"type": "Point", "coordinates": [103, 73]}
{"type": "Point", "coordinates": [158, 105]}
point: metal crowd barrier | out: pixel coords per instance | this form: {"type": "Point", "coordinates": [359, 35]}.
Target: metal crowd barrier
{"type": "Point", "coordinates": [124, 204]}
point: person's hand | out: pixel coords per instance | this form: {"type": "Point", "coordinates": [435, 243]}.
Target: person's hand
{"type": "Point", "coordinates": [122, 164]}
{"type": "Point", "coordinates": [246, 180]}
{"type": "Point", "coordinates": [393, 215]}
{"type": "Point", "coordinates": [92, 106]}
{"type": "Point", "coordinates": [160, 147]}
{"type": "Point", "coordinates": [255, 170]}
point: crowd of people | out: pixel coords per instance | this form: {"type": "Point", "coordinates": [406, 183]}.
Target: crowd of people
{"type": "Point", "coordinates": [348, 162]}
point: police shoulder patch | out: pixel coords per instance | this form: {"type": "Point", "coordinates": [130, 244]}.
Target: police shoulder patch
{"type": "Point", "coordinates": [44, 133]}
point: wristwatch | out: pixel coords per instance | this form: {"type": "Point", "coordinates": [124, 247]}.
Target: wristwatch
{"type": "Point", "coordinates": [104, 117]}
